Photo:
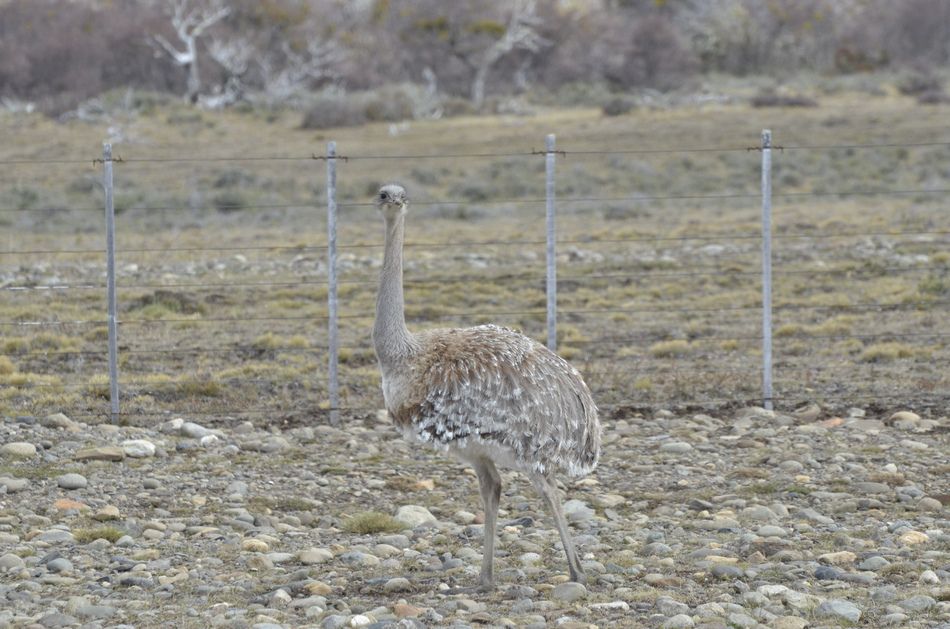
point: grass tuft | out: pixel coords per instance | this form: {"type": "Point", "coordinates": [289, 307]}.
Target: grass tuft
{"type": "Point", "coordinates": [369, 522]}
{"type": "Point", "coordinates": [109, 533]}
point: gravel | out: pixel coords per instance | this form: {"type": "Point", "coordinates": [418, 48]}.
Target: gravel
{"type": "Point", "coordinates": [810, 522]}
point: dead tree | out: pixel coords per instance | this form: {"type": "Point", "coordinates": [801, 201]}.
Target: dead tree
{"type": "Point", "coordinates": [190, 22]}
{"type": "Point", "coordinates": [521, 33]}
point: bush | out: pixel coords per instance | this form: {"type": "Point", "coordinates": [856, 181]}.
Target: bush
{"type": "Point", "coordinates": [918, 84]}
{"type": "Point", "coordinates": [370, 522]}
{"type": "Point", "coordinates": [333, 110]}
{"type": "Point", "coordinates": [779, 100]}
{"type": "Point", "coordinates": [618, 106]}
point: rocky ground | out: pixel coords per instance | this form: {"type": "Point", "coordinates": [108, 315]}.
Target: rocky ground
{"type": "Point", "coordinates": [755, 519]}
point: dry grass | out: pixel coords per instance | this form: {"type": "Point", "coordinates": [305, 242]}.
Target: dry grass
{"type": "Point", "coordinates": [620, 302]}
{"type": "Point", "coordinates": [369, 522]}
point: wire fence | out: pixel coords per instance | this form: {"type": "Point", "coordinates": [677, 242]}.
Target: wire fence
{"type": "Point", "coordinates": [660, 308]}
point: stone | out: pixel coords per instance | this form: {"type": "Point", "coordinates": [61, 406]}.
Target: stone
{"type": "Point", "coordinates": [911, 538]}
{"type": "Point", "coordinates": [807, 413]}
{"type": "Point", "coordinates": [397, 584]}
{"type": "Point", "coordinates": [413, 516]}
{"type": "Point", "coordinates": [13, 485]}
{"type": "Point", "coordinates": [726, 571]}
{"type": "Point", "coordinates": [676, 447]}
{"type": "Point", "coordinates": [799, 601]}
{"type": "Point", "coordinates": [919, 603]}
{"type": "Point", "coordinates": [608, 501]}
{"type": "Point", "coordinates": [839, 608]}
{"type": "Point", "coordinates": [870, 487]}
{"type": "Point", "coordinates": [405, 610]}
{"type": "Point", "coordinates": [18, 450]}
{"type": "Point", "coordinates": [577, 511]}
{"type": "Point", "coordinates": [873, 563]}
{"type": "Point", "coordinates": [789, 622]}
{"type": "Point", "coordinates": [929, 577]}
{"type": "Point", "coordinates": [679, 621]}
{"type": "Point", "coordinates": [827, 573]}
{"type": "Point", "coordinates": [60, 564]}
{"type": "Point", "coordinates": [108, 512]}
{"type": "Point", "coordinates": [280, 598]}
{"type": "Point", "coordinates": [138, 448]}
{"type": "Point", "coordinates": [670, 607]}
{"type": "Point", "coordinates": [56, 536]}
{"type": "Point", "coordinates": [65, 504]}
{"type": "Point", "coordinates": [255, 546]}
{"type": "Point", "coordinates": [57, 619]}
{"type": "Point", "coordinates": [58, 420]}
{"type": "Point", "coordinates": [569, 592]}
{"type": "Point", "coordinates": [840, 558]}
{"type": "Point", "coordinates": [72, 481]}
{"type": "Point", "coordinates": [903, 417]}
{"type": "Point", "coordinates": [738, 619]}
{"type": "Point", "coordinates": [313, 556]}
{"type": "Point", "coordinates": [929, 504]}
{"type": "Point", "coordinates": [193, 430]}
{"type": "Point", "coordinates": [95, 612]}
{"type": "Point", "coordinates": [770, 530]}
{"type": "Point", "coordinates": [757, 513]}
{"type": "Point", "coordinates": [101, 453]}
{"type": "Point", "coordinates": [10, 561]}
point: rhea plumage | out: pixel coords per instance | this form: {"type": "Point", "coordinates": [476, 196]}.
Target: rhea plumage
{"type": "Point", "coordinates": [487, 394]}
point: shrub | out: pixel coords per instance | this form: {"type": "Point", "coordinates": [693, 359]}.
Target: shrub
{"type": "Point", "coordinates": [780, 100]}
{"type": "Point", "coordinates": [881, 352]}
{"type": "Point", "coordinates": [330, 110]}
{"type": "Point", "coordinates": [6, 366]}
{"type": "Point", "coordinates": [918, 83]}
{"type": "Point", "coordinates": [617, 106]}
{"type": "Point", "coordinates": [669, 349]}
{"type": "Point", "coordinates": [369, 522]}
{"type": "Point", "coordinates": [229, 201]}
{"type": "Point", "coordinates": [109, 533]}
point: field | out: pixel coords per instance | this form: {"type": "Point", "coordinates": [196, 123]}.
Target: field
{"type": "Point", "coordinates": [223, 497]}
{"type": "Point", "coordinates": [222, 262]}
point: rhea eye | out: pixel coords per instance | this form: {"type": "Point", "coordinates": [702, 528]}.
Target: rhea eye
{"type": "Point", "coordinates": [382, 195]}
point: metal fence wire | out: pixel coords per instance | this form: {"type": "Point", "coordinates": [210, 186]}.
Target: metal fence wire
{"type": "Point", "coordinates": [756, 360]}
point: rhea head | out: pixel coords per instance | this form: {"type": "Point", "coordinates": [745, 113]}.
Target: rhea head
{"type": "Point", "coordinates": [392, 199]}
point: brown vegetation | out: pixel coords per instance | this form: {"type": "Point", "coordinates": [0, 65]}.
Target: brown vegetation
{"type": "Point", "coordinates": [56, 55]}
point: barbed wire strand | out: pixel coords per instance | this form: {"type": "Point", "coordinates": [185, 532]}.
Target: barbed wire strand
{"type": "Point", "coordinates": [484, 243]}
{"type": "Point", "coordinates": [514, 277]}
{"type": "Point", "coordinates": [471, 155]}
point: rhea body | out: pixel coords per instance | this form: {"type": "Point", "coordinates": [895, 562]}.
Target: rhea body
{"type": "Point", "coordinates": [486, 394]}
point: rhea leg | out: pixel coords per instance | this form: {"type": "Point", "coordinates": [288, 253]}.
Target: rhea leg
{"type": "Point", "coordinates": [548, 490]}
{"type": "Point", "coordinates": [489, 482]}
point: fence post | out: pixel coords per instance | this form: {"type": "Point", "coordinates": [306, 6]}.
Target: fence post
{"type": "Point", "coordinates": [767, 269]}
{"type": "Point", "coordinates": [110, 281]}
{"type": "Point", "coordinates": [549, 192]}
{"type": "Point", "coordinates": [333, 348]}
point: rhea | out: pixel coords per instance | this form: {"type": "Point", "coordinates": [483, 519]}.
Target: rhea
{"type": "Point", "coordinates": [486, 394]}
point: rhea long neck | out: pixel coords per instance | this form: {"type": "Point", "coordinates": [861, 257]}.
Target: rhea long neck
{"type": "Point", "coordinates": [391, 337]}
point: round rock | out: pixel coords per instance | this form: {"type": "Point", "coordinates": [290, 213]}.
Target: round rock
{"type": "Point", "coordinates": [569, 592]}
{"type": "Point", "coordinates": [18, 449]}
{"type": "Point", "coordinates": [676, 447]}
{"type": "Point", "coordinates": [138, 448]}
{"type": "Point", "coordinates": [414, 515]}
{"type": "Point", "coordinates": [839, 608]}
{"type": "Point", "coordinates": [72, 481]}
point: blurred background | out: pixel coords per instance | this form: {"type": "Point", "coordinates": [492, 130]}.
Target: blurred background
{"type": "Point", "coordinates": [434, 58]}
